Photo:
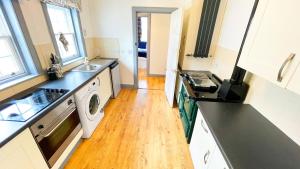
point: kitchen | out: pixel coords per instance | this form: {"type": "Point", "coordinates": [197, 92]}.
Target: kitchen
{"type": "Point", "coordinates": [133, 133]}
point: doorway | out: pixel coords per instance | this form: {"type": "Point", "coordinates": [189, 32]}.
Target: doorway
{"type": "Point", "coordinates": [152, 33]}
{"type": "Point", "coordinates": [173, 47]}
{"type": "Point", "coordinates": [143, 34]}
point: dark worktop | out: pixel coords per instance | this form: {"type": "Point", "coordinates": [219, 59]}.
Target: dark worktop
{"type": "Point", "coordinates": [71, 81]}
{"type": "Point", "coordinates": [247, 139]}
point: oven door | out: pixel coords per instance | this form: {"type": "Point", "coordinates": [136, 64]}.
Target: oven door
{"type": "Point", "coordinates": [55, 139]}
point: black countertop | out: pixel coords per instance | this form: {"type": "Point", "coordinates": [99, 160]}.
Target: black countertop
{"type": "Point", "coordinates": [71, 81]}
{"type": "Point", "coordinates": [247, 139]}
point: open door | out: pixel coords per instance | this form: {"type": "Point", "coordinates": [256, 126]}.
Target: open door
{"type": "Point", "coordinates": [173, 54]}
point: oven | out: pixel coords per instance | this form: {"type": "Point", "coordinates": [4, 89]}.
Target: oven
{"type": "Point", "coordinates": [56, 130]}
{"type": "Point", "coordinates": [187, 111]}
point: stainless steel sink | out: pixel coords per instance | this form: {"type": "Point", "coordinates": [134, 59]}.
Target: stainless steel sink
{"type": "Point", "coordinates": [87, 68]}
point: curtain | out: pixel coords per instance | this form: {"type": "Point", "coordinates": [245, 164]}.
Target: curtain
{"type": "Point", "coordinates": [65, 3]}
{"type": "Point", "coordinates": [139, 28]}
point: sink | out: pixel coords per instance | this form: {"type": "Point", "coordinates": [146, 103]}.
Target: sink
{"type": "Point", "coordinates": [87, 68]}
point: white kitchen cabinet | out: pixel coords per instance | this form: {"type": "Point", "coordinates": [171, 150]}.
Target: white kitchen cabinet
{"type": "Point", "coordinates": [294, 83]}
{"type": "Point", "coordinates": [22, 152]}
{"type": "Point", "coordinates": [202, 143]}
{"type": "Point", "coordinates": [105, 86]}
{"type": "Point", "coordinates": [273, 38]}
{"type": "Point", "coordinates": [217, 160]}
{"type": "Point", "coordinates": [203, 148]}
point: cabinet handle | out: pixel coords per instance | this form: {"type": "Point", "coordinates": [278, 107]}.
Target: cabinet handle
{"type": "Point", "coordinates": [202, 124]}
{"type": "Point", "coordinates": [206, 157]}
{"type": "Point", "coordinates": [289, 59]}
{"type": "Point", "coordinates": [98, 80]}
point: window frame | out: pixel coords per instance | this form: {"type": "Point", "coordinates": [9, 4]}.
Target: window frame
{"type": "Point", "coordinates": [78, 34]}
{"type": "Point", "coordinates": [21, 44]}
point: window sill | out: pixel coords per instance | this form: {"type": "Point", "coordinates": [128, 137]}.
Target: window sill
{"type": "Point", "coordinates": [72, 61]}
{"type": "Point", "coordinates": [17, 81]}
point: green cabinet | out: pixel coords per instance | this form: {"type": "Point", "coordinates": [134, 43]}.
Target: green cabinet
{"type": "Point", "coordinates": [188, 112]}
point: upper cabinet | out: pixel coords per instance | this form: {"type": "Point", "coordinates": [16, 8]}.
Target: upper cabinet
{"type": "Point", "coordinates": [294, 84]}
{"type": "Point", "coordinates": [272, 49]}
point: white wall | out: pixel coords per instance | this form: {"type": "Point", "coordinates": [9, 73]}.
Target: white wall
{"type": "Point", "coordinates": [159, 43]}
{"type": "Point", "coordinates": [144, 23]}
{"type": "Point", "coordinates": [112, 21]}
{"type": "Point", "coordinates": [280, 106]}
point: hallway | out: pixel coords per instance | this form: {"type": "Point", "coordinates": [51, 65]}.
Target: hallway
{"type": "Point", "coordinates": [139, 131]}
{"type": "Point", "coordinates": [150, 82]}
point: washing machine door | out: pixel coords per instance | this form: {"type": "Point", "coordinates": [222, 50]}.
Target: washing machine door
{"type": "Point", "coordinates": [93, 106]}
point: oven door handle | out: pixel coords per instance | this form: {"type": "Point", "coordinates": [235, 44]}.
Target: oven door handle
{"type": "Point", "coordinates": [56, 125]}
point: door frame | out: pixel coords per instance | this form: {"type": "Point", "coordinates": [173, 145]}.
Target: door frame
{"type": "Point", "coordinates": [135, 11]}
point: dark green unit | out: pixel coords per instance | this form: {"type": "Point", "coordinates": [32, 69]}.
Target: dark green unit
{"type": "Point", "coordinates": [188, 112]}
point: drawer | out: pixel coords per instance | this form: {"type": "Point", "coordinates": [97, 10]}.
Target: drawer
{"type": "Point", "coordinates": [217, 160]}
{"type": "Point", "coordinates": [202, 125]}
{"type": "Point", "coordinates": [202, 143]}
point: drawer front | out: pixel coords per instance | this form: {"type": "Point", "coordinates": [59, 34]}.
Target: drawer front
{"type": "Point", "coordinates": [186, 104]}
{"type": "Point", "coordinates": [202, 144]}
{"type": "Point", "coordinates": [217, 160]}
{"type": "Point", "coordinates": [203, 126]}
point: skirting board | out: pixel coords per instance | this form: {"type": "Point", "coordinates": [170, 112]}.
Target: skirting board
{"type": "Point", "coordinates": [127, 86]}
{"type": "Point", "coordinates": [156, 75]}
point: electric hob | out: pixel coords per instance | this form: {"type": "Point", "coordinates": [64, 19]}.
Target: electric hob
{"type": "Point", "coordinates": [23, 108]}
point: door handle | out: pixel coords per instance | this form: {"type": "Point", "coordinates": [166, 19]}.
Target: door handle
{"type": "Point", "coordinates": [55, 126]}
{"type": "Point", "coordinates": [288, 60]}
{"type": "Point", "coordinates": [205, 158]}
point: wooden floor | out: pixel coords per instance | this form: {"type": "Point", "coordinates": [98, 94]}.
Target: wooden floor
{"type": "Point", "coordinates": [151, 83]}
{"type": "Point", "coordinates": [139, 131]}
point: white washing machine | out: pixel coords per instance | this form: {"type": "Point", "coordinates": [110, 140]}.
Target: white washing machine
{"type": "Point", "coordinates": [88, 104]}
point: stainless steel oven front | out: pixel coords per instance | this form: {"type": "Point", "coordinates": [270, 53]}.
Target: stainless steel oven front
{"type": "Point", "coordinates": [56, 130]}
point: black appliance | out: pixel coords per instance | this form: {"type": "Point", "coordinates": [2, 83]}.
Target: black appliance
{"type": "Point", "coordinates": [26, 106]}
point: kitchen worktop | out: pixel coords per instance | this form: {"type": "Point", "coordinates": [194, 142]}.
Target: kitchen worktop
{"type": "Point", "coordinates": [71, 81]}
{"type": "Point", "coordinates": [247, 139]}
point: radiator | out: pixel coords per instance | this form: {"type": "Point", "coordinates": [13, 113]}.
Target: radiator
{"type": "Point", "coordinates": [206, 27]}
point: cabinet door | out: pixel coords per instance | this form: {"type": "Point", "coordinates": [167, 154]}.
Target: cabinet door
{"type": "Point", "coordinates": [294, 83]}
{"type": "Point", "coordinates": [217, 160]}
{"type": "Point", "coordinates": [273, 37]}
{"type": "Point", "coordinates": [202, 144]}
{"type": "Point", "coordinates": [22, 152]}
{"type": "Point", "coordinates": [105, 86]}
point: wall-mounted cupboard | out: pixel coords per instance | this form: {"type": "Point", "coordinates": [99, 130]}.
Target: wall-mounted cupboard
{"type": "Point", "coordinates": [272, 49]}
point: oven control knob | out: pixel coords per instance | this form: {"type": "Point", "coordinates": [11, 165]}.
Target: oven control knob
{"type": "Point", "coordinates": [40, 126]}
{"type": "Point", "coordinates": [70, 101]}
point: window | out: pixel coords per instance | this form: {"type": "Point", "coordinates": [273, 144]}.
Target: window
{"type": "Point", "coordinates": [16, 59]}
{"type": "Point", "coordinates": [66, 32]}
